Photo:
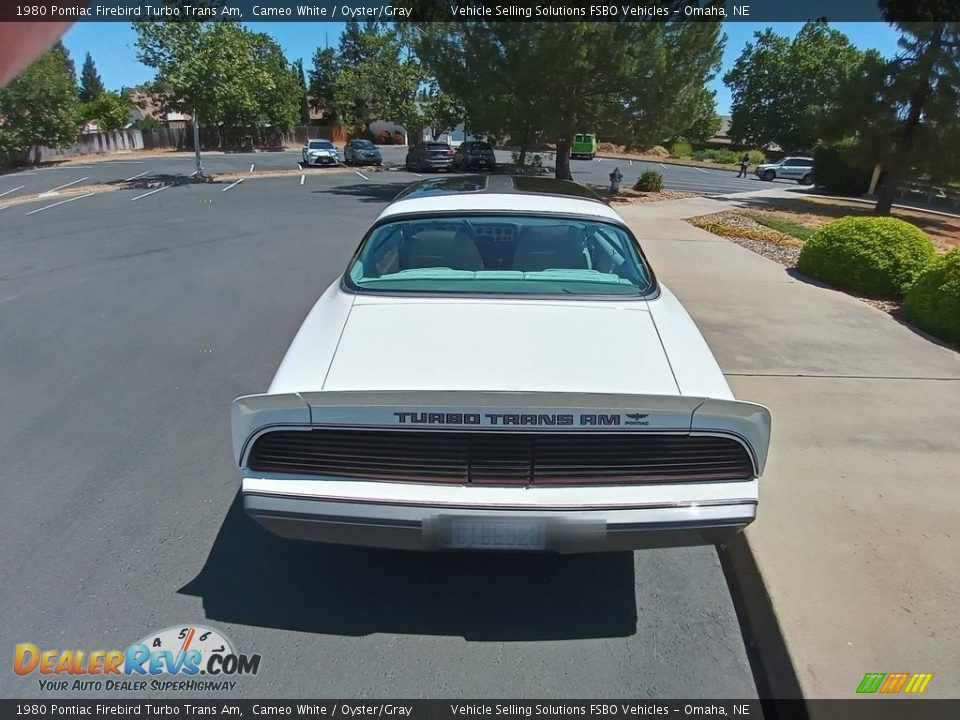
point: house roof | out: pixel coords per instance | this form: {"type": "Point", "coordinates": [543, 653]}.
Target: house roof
{"type": "Point", "coordinates": [151, 106]}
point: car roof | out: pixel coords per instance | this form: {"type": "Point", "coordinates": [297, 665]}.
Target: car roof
{"type": "Point", "coordinates": [507, 193]}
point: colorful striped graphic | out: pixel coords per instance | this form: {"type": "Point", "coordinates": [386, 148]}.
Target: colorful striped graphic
{"type": "Point", "coordinates": [892, 683]}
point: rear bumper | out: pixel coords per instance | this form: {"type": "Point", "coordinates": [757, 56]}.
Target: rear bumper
{"type": "Point", "coordinates": [479, 163]}
{"type": "Point", "coordinates": [424, 524]}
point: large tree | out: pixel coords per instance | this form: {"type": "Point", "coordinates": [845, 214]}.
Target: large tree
{"type": "Point", "coordinates": [322, 87]}
{"type": "Point", "coordinates": [91, 86]}
{"type": "Point", "coordinates": [634, 81]}
{"type": "Point", "coordinates": [703, 121]}
{"type": "Point", "coordinates": [40, 106]}
{"type": "Point", "coordinates": [377, 77]}
{"type": "Point", "coordinates": [222, 71]}
{"type": "Point", "coordinates": [302, 93]}
{"type": "Point", "coordinates": [904, 113]}
{"type": "Point", "coordinates": [439, 111]}
{"type": "Point", "coordinates": [779, 85]}
{"type": "Point", "coordinates": [109, 110]}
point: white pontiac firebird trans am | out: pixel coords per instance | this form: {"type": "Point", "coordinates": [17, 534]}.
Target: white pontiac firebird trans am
{"type": "Point", "coordinates": [499, 369]}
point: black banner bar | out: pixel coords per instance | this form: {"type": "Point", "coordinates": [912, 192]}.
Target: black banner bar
{"type": "Point", "coordinates": [755, 11]}
{"type": "Point", "coordinates": [872, 708]}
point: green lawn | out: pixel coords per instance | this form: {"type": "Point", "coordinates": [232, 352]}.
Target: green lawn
{"type": "Point", "coordinates": [785, 226]}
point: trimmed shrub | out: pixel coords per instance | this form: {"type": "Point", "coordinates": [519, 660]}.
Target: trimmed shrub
{"type": "Point", "coordinates": [728, 157]}
{"type": "Point", "coordinates": [658, 151]}
{"type": "Point", "coordinates": [682, 149]}
{"type": "Point", "coordinates": [833, 172]}
{"type": "Point", "coordinates": [877, 256]}
{"type": "Point", "coordinates": [933, 302]}
{"type": "Point", "coordinates": [757, 157]}
{"type": "Point", "coordinates": [650, 181]}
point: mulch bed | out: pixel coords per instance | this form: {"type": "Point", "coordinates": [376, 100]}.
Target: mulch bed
{"type": "Point", "coordinates": [629, 196]}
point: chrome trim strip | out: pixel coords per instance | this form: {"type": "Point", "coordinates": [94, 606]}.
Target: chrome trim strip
{"type": "Point", "coordinates": [501, 506]}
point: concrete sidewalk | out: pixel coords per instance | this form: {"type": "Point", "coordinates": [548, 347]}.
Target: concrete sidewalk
{"type": "Point", "coordinates": [857, 535]}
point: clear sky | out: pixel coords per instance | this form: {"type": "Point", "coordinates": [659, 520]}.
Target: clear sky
{"type": "Point", "coordinates": [112, 46]}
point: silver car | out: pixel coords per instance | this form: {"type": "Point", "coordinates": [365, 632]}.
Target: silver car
{"type": "Point", "coordinates": [797, 168]}
{"type": "Point", "coordinates": [320, 152]}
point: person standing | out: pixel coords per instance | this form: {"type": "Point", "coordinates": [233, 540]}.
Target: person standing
{"type": "Point", "coordinates": [744, 164]}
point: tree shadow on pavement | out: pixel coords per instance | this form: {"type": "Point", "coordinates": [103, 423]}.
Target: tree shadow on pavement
{"type": "Point", "coordinates": [895, 311]}
{"type": "Point", "coordinates": [367, 191]}
{"type": "Point", "coordinates": [156, 180]}
{"type": "Point", "coordinates": [252, 577]}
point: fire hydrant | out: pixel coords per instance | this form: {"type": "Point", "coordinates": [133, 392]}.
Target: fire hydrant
{"type": "Point", "coordinates": [616, 177]}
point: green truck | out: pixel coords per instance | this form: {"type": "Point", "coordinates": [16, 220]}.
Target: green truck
{"type": "Point", "coordinates": [583, 146]}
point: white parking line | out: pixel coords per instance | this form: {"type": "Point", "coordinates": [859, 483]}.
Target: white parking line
{"type": "Point", "coordinates": [193, 173]}
{"type": "Point", "coordinates": [302, 179]}
{"type": "Point", "coordinates": [701, 170]}
{"type": "Point", "coordinates": [61, 187]}
{"type": "Point", "coordinates": [418, 174]}
{"type": "Point", "coordinates": [251, 167]}
{"type": "Point", "coordinates": [232, 185]}
{"type": "Point", "coordinates": [134, 177]}
{"type": "Point", "coordinates": [47, 207]}
{"type": "Point", "coordinates": [13, 190]}
{"type": "Point", "coordinates": [662, 165]}
{"type": "Point", "coordinates": [361, 174]}
{"type": "Point", "coordinates": [165, 187]}
{"type": "Point", "coordinates": [631, 163]}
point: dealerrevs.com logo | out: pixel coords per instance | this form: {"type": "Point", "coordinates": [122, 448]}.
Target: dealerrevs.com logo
{"type": "Point", "coordinates": [185, 658]}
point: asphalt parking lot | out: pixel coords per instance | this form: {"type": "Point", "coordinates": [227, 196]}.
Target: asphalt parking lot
{"type": "Point", "coordinates": [146, 170]}
{"type": "Point", "coordinates": [130, 321]}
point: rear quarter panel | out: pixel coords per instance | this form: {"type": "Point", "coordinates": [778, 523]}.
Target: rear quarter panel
{"type": "Point", "coordinates": [694, 367]}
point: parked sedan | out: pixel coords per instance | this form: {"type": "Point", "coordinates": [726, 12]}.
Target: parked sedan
{"type": "Point", "coordinates": [474, 156]}
{"type": "Point", "coordinates": [429, 156]}
{"type": "Point", "coordinates": [789, 168]}
{"type": "Point", "coordinates": [320, 152]}
{"type": "Point", "coordinates": [362, 152]}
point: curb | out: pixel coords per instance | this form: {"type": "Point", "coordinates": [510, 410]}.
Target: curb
{"type": "Point", "coordinates": [667, 161]}
{"type": "Point", "coordinates": [773, 668]}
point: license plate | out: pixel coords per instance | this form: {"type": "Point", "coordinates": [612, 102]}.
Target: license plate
{"type": "Point", "coordinates": [494, 535]}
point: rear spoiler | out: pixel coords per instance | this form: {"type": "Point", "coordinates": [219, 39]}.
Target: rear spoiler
{"type": "Point", "coordinates": [502, 411]}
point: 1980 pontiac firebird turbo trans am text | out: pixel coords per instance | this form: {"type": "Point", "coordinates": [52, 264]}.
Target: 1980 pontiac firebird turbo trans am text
{"type": "Point", "coordinates": [499, 369]}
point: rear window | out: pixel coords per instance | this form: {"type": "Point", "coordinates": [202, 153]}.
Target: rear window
{"type": "Point", "coordinates": [482, 146]}
{"type": "Point", "coordinates": [493, 254]}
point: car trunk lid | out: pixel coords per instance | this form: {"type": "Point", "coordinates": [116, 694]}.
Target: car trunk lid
{"type": "Point", "coordinates": [530, 345]}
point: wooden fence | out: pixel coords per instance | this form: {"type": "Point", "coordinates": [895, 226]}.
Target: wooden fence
{"type": "Point", "coordinates": [86, 144]}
